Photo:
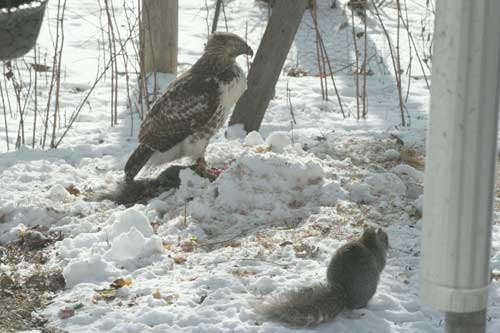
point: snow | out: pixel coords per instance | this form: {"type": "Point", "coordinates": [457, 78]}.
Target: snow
{"type": "Point", "coordinates": [263, 286]}
{"type": "Point", "coordinates": [93, 269]}
{"type": "Point", "coordinates": [289, 195]}
{"type": "Point", "coordinates": [278, 141]}
{"type": "Point", "coordinates": [253, 139]}
{"type": "Point", "coordinates": [133, 245]}
{"type": "Point", "coordinates": [128, 219]}
{"type": "Point", "coordinates": [385, 183]}
{"type": "Point", "coordinates": [361, 193]}
{"type": "Point", "coordinates": [407, 170]}
{"type": "Point", "coordinates": [391, 154]}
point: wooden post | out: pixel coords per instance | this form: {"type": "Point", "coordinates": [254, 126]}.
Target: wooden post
{"type": "Point", "coordinates": [160, 20]}
{"type": "Point", "coordinates": [268, 63]}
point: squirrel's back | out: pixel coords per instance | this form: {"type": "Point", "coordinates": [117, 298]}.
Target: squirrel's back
{"type": "Point", "coordinates": [357, 265]}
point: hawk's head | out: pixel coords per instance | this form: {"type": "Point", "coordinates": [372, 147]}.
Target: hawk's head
{"type": "Point", "coordinates": [228, 45]}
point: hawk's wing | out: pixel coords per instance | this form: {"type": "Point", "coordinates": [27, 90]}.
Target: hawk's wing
{"type": "Point", "coordinates": [185, 107]}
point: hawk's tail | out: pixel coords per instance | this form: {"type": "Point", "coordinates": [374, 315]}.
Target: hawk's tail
{"type": "Point", "coordinates": [137, 160]}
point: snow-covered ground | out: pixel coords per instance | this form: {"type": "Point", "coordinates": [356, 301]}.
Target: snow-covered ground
{"type": "Point", "coordinates": [199, 256]}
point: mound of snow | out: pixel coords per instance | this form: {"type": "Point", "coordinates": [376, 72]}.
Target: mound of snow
{"type": "Point", "coordinates": [419, 204]}
{"type": "Point", "coordinates": [253, 139]}
{"type": "Point", "coordinates": [385, 183]}
{"type": "Point", "coordinates": [278, 141]}
{"type": "Point", "coordinates": [256, 189]}
{"type": "Point", "coordinates": [391, 154]}
{"type": "Point", "coordinates": [91, 270]}
{"type": "Point", "coordinates": [405, 169]}
{"type": "Point", "coordinates": [360, 193]}
{"type": "Point", "coordinates": [131, 218]}
{"type": "Point", "coordinates": [13, 233]}
{"type": "Point", "coordinates": [264, 285]}
{"type": "Point", "coordinates": [58, 193]}
{"type": "Point", "coordinates": [133, 245]}
{"type": "Point", "coordinates": [331, 192]}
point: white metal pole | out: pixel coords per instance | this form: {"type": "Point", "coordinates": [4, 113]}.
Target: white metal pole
{"type": "Point", "coordinates": [461, 160]}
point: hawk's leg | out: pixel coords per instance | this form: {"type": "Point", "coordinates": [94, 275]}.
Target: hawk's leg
{"type": "Point", "coordinates": [201, 169]}
{"type": "Point", "coordinates": [201, 164]}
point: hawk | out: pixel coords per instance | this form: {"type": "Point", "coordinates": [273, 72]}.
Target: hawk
{"type": "Point", "coordinates": [194, 107]}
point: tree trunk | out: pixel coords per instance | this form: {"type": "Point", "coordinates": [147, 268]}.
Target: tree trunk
{"type": "Point", "coordinates": [160, 32]}
{"type": "Point", "coordinates": [268, 63]}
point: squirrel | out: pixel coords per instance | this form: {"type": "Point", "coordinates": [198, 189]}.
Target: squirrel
{"type": "Point", "coordinates": [352, 279]}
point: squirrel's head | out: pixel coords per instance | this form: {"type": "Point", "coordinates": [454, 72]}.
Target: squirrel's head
{"type": "Point", "coordinates": [376, 238]}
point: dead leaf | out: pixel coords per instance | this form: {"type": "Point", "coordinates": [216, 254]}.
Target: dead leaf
{"type": "Point", "coordinates": [156, 294]}
{"type": "Point", "coordinates": [110, 293]}
{"type": "Point", "coordinates": [179, 260]}
{"type": "Point", "coordinates": [232, 243]}
{"type": "Point", "coordinates": [169, 299]}
{"type": "Point", "coordinates": [107, 293]}
{"type": "Point", "coordinates": [261, 150]}
{"type": "Point", "coordinates": [118, 283]}
{"type": "Point", "coordinates": [73, 190]}
{"type": "Point", "coordinates": [242, 272]}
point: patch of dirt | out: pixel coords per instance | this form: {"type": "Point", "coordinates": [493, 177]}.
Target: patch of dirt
{"type": "Point", "coordinates": [26, 285]}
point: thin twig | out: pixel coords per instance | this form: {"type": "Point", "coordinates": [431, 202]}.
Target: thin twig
{"type": "Point", "coordinates": [406, 25]}
{"type": "Point", "coordinates": [58, 77]}
{"type": "Point", "coordinates": [365, 65]}
{"type": "Point", "coordinates": [114, 71]}
{"type": "Point", "coordinates": [52, 80]}
{"type": "Point", "coordinates": [396, 71]}
{"type": "Point", "coordinates": [5, 117]}
{"type": "Point", "coordinates": [356, 69]}
{"type": "Point", "coordinates": [75, 114]}
{"type": "Point", "coordinates": [218, 6]}
{"type": "Point", "coordinates": [35, 112]}
{"type": "Point", "coordinates": [318, 52]}
{"type": "Point", "coordinates": [322, 44]}
{"type": "Point", "coordinates": [224, 14]}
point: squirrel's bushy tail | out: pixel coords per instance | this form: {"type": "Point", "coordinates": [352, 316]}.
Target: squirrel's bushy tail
{"type": "Point", "coordinates": [304, 307]}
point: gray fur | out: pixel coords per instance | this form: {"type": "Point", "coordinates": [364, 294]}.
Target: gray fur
{"type": "Point", "coordinates": [352, 278]}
